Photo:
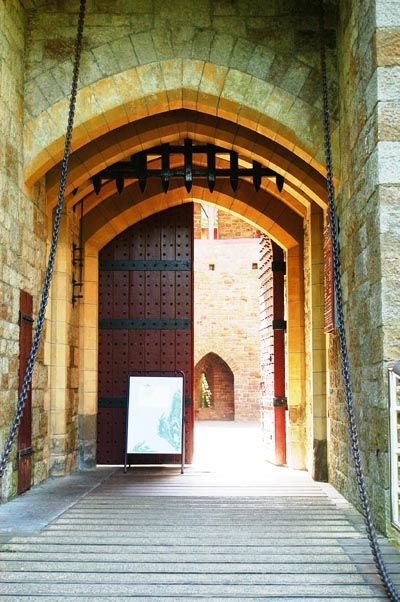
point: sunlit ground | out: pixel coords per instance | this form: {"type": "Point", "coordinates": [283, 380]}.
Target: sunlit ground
{"type": "Point", "coordinates": [234, 451]}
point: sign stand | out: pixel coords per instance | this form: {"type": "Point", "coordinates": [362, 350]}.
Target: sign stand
{"type": "Point", "coordinates": [155, 420]}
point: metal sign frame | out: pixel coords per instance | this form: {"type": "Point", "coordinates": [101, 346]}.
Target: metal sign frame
{"type": "Point", "coordinates": [155, 374]}
{"type": "Point", "coordinates": [394, 413]}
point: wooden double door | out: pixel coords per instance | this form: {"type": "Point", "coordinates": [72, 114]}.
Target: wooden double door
{"type": "Point", "coordinates": [145, 321]}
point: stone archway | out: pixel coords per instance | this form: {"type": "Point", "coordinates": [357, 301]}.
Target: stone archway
{"type": "Point", "coordinates": [214, 389]}
{"type": "Point", "coordinates": [105, 133]}
{"type": "Point", "coordinates": [246, 68]}
{"type": "Point", "coordinates": [88, 325]}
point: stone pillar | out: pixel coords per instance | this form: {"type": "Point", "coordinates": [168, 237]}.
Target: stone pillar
{"type": "Point", "coordinates": [60, 356]}
{"type": "Point", "coordinates": [88, 359]}
{"type": "Point", "coordinates": [387, 113]}
{"type": "Point", "coordinates": [319, 467]}
{"type": "Point", "coordinates": [369, 221]}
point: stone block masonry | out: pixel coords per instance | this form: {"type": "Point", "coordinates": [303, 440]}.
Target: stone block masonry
{"type": "Point", "coordinates": [369, 219]}
{"type": "Point", "coordinates": [220, 70]}
{"type": "Point", "coordinates": [23, 230]}
{"type": "Point", "coordinates": [222, 54]}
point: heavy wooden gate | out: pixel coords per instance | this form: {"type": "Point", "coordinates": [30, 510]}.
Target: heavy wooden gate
{"type": "Point", "coordinates": [145, 321]}
{"type": "Point", "coordinates": [25, 428]}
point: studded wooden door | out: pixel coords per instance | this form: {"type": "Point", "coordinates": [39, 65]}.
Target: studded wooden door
{"type": "Point", "coordinates": [145, 321]}
{"type": "Point", "coordinates": [25, 428]}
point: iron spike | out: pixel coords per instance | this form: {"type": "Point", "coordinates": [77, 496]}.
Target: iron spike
{"type": "Point", "coordinates": [257, 175]}
{"type": "Point", "coordinates": [120, 182]}
{"type": "Point", "coordinates": [165, 167]}
{"type": "Point", "coordinates": [211, 167]}
{"type": "Point", "coordinates": [188, 155]}
{"type": "Point", "coordinates": [234, 177]}
{"type": "Point", "coordinates": [97, 183]}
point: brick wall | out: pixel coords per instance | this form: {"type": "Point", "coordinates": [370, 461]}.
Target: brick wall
{"type": "Point", "coordinates": [229, 226]}
{"type": "Point", "coordinates": [226, 308]}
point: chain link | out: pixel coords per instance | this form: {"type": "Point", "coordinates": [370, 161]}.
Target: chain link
{"type": "Point", "coordinates": [391, 591]}
{"type": "Point", "coordinates": [50, 265]}
{"type": "Point", "coordinates": [371, 532]}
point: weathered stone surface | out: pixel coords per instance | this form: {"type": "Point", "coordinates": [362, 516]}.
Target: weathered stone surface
{"type": "Point", "coordinates": [370, 232]}
{"type": "Point", "coordinates": [257, 40]}
{"type": "Point", "coordinates": [87, 432]}
{"type": "Point", "coordinates": [22, 242]}
{"type": "Point", "coordinates": [320, 463]}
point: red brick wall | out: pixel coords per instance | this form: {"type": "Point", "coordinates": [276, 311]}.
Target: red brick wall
{"type": "Point", "coordinates": [226, 311]}
{"type": "Point", "coordinates": [229, 226]}
{"type": "Point", "coordinates": [221, 381]}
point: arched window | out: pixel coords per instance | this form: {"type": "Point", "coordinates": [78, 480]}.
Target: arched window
{"type": "Point", "coordinates": [214, 389]}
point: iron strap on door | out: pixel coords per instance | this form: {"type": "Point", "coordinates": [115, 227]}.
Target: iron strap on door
{"type": "Point", "coordinates": [144, 266]}
{"type": "Point", "coordinates": [146, 324]}
{"type": "Point", "coordinates": [393, 594]}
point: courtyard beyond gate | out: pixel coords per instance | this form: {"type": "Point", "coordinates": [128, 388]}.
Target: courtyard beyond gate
{"type": "Point", "coordinates": [233, 531]}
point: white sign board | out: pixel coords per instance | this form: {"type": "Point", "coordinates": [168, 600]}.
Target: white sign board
{"type": "Point", "coordinates": [154, 422]}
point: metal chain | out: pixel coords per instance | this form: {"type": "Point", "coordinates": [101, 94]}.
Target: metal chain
{"type": "Point", "coordinates": [375, 549]}
{"type": "Point", "coordinates": [50, 265]}
{"type": "Point", "coordinates": [391, 591]}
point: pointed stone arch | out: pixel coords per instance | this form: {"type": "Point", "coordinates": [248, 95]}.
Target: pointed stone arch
{"type": "Point", "coordinates": [163, 86]}
{"type": "Point", "coordinates": [281, 216]}
{"type": "Point", "coordinates": [219, 376]}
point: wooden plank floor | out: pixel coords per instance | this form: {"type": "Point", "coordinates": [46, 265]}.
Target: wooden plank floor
{"type": "Point", "coordinates": [232, 528]}
{"type": "Point", "coordinates": [155, 536]}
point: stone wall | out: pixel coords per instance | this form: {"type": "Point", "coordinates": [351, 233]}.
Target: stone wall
{"type": "Point", "coordinates": [234, 227]}
{"type": "Point", "coordinates": [255, 63]}
{"type": "Point", "coordinates": [22, 245]}
{"type": "Point", "coordinates": [369, 221]}
{"type": "Point", "coordinates": [261, 57]}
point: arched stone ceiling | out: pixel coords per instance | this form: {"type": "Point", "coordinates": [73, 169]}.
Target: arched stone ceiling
{"type": "Point", "coordinates": [119, 211]}
{"type": "Point", "coordinates": [160, 86]}
{"type": "Point", "coordinates": [302, 181]}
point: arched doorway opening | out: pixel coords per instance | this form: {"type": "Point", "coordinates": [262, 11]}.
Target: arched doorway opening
{"type": "Point", "coordinates": [294, 219]}
{"type": "Point", "coordinates": [214, 389]}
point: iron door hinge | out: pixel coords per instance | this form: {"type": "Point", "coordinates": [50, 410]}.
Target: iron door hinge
{"type": "Point", "coordinates": [280, 402]}
{"type": "Point", "coordinates": [24, 453]}
{"type": "Point", "coordinates": [279, 266]}
{"type": "Point", "coordinates": [279, 324]}
{"type": "Point", "coordinates": [25, 318]}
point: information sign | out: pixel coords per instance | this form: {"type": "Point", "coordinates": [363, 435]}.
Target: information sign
{"type": "Point", "coordinates": [155, 417]}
